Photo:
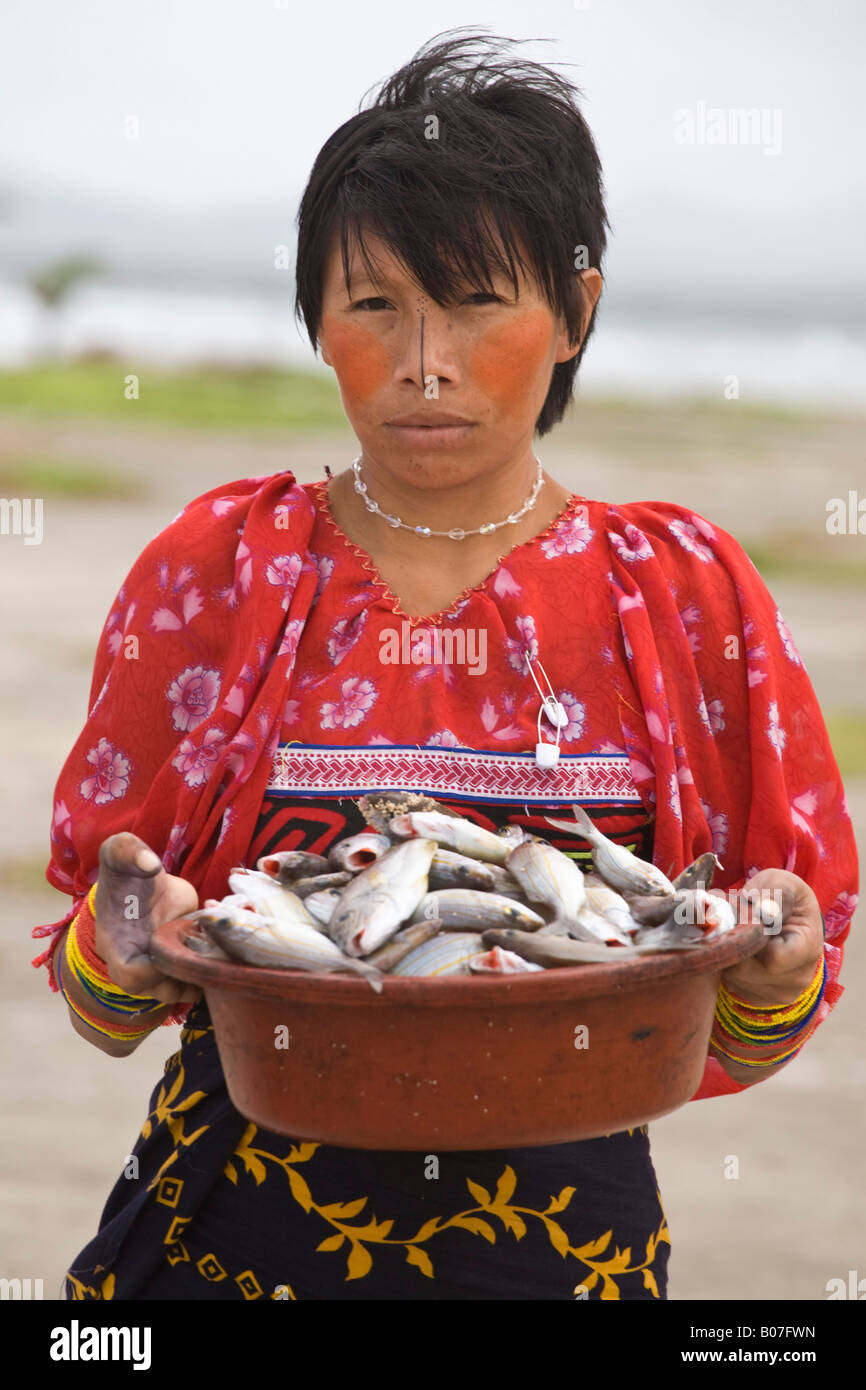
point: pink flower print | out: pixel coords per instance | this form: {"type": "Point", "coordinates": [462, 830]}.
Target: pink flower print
{"type": "Point", "coordinates": [691, 619]}
{"type": "Point", "coordinates": [718, 823]}
{"type": "Point", "coordinates": [801, 807]}
{"type": "Point", "coordinates": [839, 914]}
{"type": "Point", "coordinates": [195, 764]}
{"type": "Point", "coordinates": [180, 608]}
{"type": "Point", "coordinates": [674, 796]}
{"type": "Point", "coordinates": [221, 507]}
{"type": "Point", "coordinates": [775, 733]}
{"type": "Point", "coordinates": [526, 642]}
{"type": "Point", "coordinates": [700, 524]}
{"type": "Point", "coordinates": [687, 535]}
{"type": "Point", "coordinates": [100, 696]}
{"type": "Point", "coordinates": [576, 712]}
{"type": "Point", "coordinates": [239, 749]}
{"type": "Point", "coordinates": [243, 578]}
{"type": "Point", "coordinates": [633, 546]}
{"type": "Point", "coordinates": [115, 639]}
{"type": "Point", "coordinates": [346, 632]}
{"type": "Point", "coordinates": [787, 640]}
{"type": "Point", "coordinates": [61, 822]}
{"type": "Point", "coordinates": [172, 619]}
{"type": "Point", "coordinates": [656, 728]}
{"type": "Point", "coordinates": [193, 696]}
{"type": "Point", "coordinates": [175, 848]}
{"type": "Point", "coordinates": [284, 570]}
{"type": "Point", "coordinates": [572, 535]}
{"type": "Point", "coordinates": [606, 746]}
{"type": "Point", "coordinates": [712, 716]}
{"type": "Point", "coordinates": [504, 584]}
{"type": "Point", "coordinates": [324, 568]}
{"type": "Point", "coordinates": [443, 739]}
{"type": "Point", "coordinates": [110, 778]}
{"type": "Point", "coordinates": [292, 712]}
{"type": "Point", "coordinates": [626, 602]}
{"type": "Point", "coordinates": [357, 697]}
{"type": "Point", "coordinates": [226, 823]}
{"type": "Point", "coordinates": [488, 715]}
{"type": "Point", "coordinates": [291, 637]}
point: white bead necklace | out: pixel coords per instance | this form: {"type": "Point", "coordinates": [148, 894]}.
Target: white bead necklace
{"type": "Point", "coordinates": [457, 533]}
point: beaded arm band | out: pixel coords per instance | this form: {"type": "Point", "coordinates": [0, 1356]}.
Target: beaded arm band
{"type": "Point", "coordinates": [85, 966]}
{"type": "Point", "coordinates": [756, 1029]}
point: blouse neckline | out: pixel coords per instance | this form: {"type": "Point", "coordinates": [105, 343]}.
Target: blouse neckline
{"type": "Point", "coordinates": [323, 503]}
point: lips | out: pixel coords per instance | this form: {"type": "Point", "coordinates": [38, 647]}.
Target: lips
{"type": "Point", "coordinates": [425, 420]}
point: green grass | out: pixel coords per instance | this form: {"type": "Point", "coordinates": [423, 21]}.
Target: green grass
{"type": "Point", "coordinates": [46, 477]}
{"type": "Point", "coordinates": [831, 560]}
{"type": "Point", "coordinates": [204, 397]}
{"type": "Point", "coordinates": [847, 730]}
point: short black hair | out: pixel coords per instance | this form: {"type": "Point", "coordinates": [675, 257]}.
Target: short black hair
{"type": "Point", "coordinates": [512, 161]}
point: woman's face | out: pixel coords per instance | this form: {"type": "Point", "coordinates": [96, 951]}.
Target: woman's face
{"type": "Point", "coordinates": [487, 364]}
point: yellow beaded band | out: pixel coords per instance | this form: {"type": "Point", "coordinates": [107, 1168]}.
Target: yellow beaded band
{"type": "Point", "coordinates": [786, 1013]}
{"type": "Point", "coordinates": [94, 981]}
{"type": "Point", "coordinates": [756, 1029]}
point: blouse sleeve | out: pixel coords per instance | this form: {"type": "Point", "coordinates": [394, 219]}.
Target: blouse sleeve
{"type": "Point", "coordinates": [732, 738]}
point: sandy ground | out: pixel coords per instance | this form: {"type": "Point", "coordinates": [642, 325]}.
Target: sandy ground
{"type": "Point", "coordinates": [792, 1220]}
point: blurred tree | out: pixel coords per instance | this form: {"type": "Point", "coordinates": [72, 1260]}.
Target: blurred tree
{"type": "Point", "coordinates": [52, 286]}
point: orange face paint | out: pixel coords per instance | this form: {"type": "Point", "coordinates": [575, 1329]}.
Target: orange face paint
{"type": "Point", "coordinates": [505, 361]}
{"type": "Point", "coordinates": [359, 357]}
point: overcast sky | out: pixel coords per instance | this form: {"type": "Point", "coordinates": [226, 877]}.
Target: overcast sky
{"type": "Point", "coordinates": [233, 99]}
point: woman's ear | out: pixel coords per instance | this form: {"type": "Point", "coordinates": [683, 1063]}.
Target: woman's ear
{"type": "Point", "coordinates": [588, 284]}
{"type": "Point", "coordinates": [324, 351]}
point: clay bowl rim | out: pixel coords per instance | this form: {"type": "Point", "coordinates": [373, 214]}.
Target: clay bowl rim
{"type": "Point", "coordinates": [563, 982]}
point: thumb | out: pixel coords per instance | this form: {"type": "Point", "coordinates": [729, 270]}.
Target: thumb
{"type": "Point", "coordinates": [126, 855]}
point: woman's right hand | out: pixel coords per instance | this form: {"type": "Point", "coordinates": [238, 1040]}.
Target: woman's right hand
{"type": "Point", "coordinates": [135, 895]}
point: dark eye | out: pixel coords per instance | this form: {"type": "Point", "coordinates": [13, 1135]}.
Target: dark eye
{"type": "Point", "coordinates": [369, 304]}
{"type": "Point", "coordinates": [483, 296]}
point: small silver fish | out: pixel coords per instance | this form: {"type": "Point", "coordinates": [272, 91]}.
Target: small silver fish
{"type": "Point", "coordinates": [610, 904]}
{"type": "Point", "coordinates": [203, 946]}
{"type": "Point", "coordinates": [380, 808]}
{"type": "Point", "coordinates": [378, 900]}
{"type": "Point", "coordinates": [275, 946]}
{"type": "Point", "coordinates": [449, 953]}
{"type": "Point", "coordinates": [358, 852]}
{"type": "Point", "coordinates": [497, 961]}
{"type": "Point", "coordinates": [292, 863]}
{"type": "Point", "coordinates": [321, 905]}
{"type": "Point", "coordinates": [452, 870]}
{"type": "Point", "coordinates": [589, 925]}
{"type": "Point", "coordinates": [466, 909]}
{"type": "Point", "coordinates": [454, 833]}
{"type": "Point", "coordinates": [654, 909]}
{"type": "Point", "coordinates": [405, 940]}
{"type": "Point", "coordinates": [553, 951]}
{"type": "Point", "coordinates": [269, 898]}
{"type": "Point", "coordinates": [618, 867]}
{"type": "Point", "coordinates": [548, 876]}
{"type": "Point", "coordinates": [514, 834]}
{"type": "Point", "coordinates": [699, 874]}
{"type": "Point", "coordinates": [304, 887]}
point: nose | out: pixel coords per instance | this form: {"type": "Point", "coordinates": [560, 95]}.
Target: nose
{"type": "Point", "coordinates": [428, 346]}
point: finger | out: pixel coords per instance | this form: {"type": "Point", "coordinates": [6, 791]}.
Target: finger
{"type": "Point", "coordinates": [126, 855]}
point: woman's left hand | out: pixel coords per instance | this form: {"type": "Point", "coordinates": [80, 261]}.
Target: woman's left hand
{"type": "Point", "coordinates": [785, 965]}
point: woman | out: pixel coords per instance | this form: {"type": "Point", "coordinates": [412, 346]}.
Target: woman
{"type": "Point", "coordinates": [266, 662]}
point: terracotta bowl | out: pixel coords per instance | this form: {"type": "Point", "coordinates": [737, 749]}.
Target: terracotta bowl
{"type": "Point", "coordinates": [467, 1062]}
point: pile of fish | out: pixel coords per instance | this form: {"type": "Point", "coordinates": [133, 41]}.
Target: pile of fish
{"type": "Point", "coordinates": [424, 892]}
